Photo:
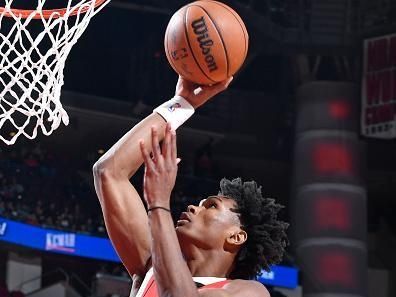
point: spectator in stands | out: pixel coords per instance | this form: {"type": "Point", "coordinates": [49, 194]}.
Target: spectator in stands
{"type": "Point", "coordinates": [31, 161]}
{"type": "Point", "coordinates": [15, 188]}
{"type": "Point", "coordinates": [32, 219]}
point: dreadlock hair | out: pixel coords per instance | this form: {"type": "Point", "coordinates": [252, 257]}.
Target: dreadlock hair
{"type": "Point", "coordinates": [267, 237]}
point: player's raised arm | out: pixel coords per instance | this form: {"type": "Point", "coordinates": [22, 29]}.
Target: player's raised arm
{"type": "Point", "coordinates": [122, 207]}
{"type": "Point", "coordinates": [124, 213]}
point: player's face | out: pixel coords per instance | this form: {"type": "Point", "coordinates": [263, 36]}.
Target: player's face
{"type": "Point", "coordinates": [208, 224]}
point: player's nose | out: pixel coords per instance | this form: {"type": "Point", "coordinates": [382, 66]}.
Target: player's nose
{"type": "Point", "coordinates": [193, 209]}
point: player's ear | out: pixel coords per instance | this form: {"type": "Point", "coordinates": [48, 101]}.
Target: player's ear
{"type": "Point", "coordinates": [237, 237]}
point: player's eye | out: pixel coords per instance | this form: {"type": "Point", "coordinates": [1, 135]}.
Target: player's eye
{"type": "Point", "coordinates": [212, 205]}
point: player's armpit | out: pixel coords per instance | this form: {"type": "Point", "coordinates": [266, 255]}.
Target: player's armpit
{"type": "Point", "coordinates": [237, 288]}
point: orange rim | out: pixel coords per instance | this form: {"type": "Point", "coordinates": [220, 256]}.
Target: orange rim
{"type": "Point", "coordinates": [47, 13]}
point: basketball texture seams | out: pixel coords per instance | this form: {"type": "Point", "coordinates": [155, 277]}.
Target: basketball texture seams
{"type": "Point", "coordinates": [241, 23]}
{"type": "Point", "coordinates": [206, 42]}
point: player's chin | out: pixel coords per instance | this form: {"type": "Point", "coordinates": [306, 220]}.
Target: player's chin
{"type": "Point", "coordinates": [182, 233]}
{"type": "Point", "coordinates": [182, 228]}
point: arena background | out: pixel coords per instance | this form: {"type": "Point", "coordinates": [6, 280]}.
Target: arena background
{"type": "Point", "coordinates": [296, 100]}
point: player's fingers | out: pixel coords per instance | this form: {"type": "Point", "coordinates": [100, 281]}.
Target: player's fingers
{"type": "Point", "coordinates": [155, 145]}
{"type": "Point", "coordinates": [208, 92]}
{"type": "Point", "coordinates": [174, 147]}
{"type": "Point", "coordinates": [185, 83]}
{"type": "Point", "coordinates": [146, 156]}
{"type": "Point", "coordinates": [221, 86]}
{"type": "Point", "coordinates": [166, 144]}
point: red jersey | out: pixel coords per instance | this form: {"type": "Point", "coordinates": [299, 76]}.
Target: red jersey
{"type": "Point", "coordinates": [149, 287]}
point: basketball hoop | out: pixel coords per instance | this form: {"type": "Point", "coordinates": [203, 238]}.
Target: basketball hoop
{"type": "Point", "coordinates": [34, 46]}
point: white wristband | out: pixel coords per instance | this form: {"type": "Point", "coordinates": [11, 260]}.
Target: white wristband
{"type": "Point", "coordinates": [175, 111]}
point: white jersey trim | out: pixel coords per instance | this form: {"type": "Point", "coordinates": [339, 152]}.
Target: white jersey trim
{"type": "Point", "coordinates": [205, 280]}
{"type": "Point", "coordinates": [147, 278]}
{"type": "Point", "coordinates": [208, 280]}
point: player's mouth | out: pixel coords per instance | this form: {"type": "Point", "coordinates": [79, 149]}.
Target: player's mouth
{"type": "Point", "coordinates": [184, 219]}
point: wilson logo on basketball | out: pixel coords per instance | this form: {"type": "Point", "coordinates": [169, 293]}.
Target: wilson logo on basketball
{"type": "Point", "coordinates": [205, 43]}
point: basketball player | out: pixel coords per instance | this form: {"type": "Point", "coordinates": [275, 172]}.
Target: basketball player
{"type": "Point", "coordinates": [222, 243]}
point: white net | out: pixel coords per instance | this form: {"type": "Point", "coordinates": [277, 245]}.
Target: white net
{"type": "Point", "coordinates": [33, 49]}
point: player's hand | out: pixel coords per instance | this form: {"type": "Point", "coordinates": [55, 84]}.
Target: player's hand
{"type": "Point", "coordinates": [160, 168]}
{"type": "Point", "coordinates": [196, 94]}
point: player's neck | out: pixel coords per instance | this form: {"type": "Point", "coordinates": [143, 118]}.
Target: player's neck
{"type": "Point", "coordinates": [214, 263]}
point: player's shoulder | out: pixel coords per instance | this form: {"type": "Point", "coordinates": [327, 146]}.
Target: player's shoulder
{"type": "Point", "coordinates": [251, 288]}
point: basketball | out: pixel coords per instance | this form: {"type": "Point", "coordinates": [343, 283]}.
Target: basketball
{"type": "Point", "coordinates": [206, 42]}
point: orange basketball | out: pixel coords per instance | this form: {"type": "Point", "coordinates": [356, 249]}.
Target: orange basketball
{"type": "Point", "coordinates": [206, 42]}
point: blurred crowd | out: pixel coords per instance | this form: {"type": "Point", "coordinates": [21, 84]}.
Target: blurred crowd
{"type": "Point", "coordinates": [40, 188]}
{"type": "Point", "coordinates": [43, 188]}
{"type": "Point", "coordinates": [54, 190]}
